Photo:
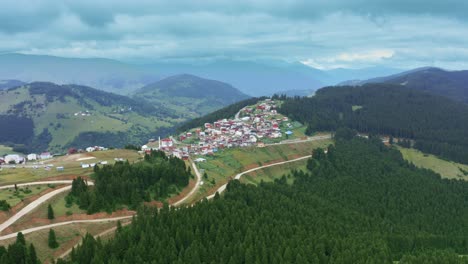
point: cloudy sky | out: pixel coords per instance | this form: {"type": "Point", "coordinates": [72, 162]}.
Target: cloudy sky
{"type": "Point", "coordinates": [320, 33]}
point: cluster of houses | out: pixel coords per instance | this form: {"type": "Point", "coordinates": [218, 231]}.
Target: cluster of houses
{"type": "Point", "coordinates": [250, 128]}
{"type": "Point", "coordinates": [20, 159]}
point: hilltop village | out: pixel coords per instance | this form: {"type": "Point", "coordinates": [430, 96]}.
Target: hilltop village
{"type": "Point", "coordinates": [252, 126]}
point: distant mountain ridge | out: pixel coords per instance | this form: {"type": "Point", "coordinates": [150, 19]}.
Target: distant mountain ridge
{"type": "Point", "coordinates": [190, 95]}
{"type": "Point", "coordinates": [451, 84]}
{"type": "Point", "coordinates": [255, 78]}
{"type": "Point", "coordinates": [7, 84]}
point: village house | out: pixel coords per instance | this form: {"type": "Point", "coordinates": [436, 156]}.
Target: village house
{"type": "Point", "coordinates": [31, 157]}
{"type": "Point", "coordinates": [45, 155]}
{"type": "Point", "coordinates": [167, 143]}
{"type": "Point", "coordinates": [13, 158]}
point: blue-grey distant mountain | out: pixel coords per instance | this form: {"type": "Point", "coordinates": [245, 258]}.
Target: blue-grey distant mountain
{"type": "Point", "coordinates": [255, 78]}
{"type": "Point", "coordinates": [7, 84]}
{"type": "Point", "coordinates": [451, 84]}
{"type": "Point", "coordinates": [104, 74]}
{"type": "Point", "coordinates": [189, 95]}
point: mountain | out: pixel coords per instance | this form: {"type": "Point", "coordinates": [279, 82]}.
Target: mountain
{"type": "Point", "coordinates": [189, 95]}
{"type": "Point", "coordinates": [7, 84]}
{"type": "Point", "coordinates": [42, 116]}
{"type": "Point", "coordinates": [451, 84]}
{"type": "Point", "coordinates": [252, 78]}
{"type": "Point", "coordinates": [104, 74]}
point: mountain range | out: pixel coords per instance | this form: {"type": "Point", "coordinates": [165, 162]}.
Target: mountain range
{"type": "Point", "coordinates": [451, 84]}
{"type": "Point", "coordinates": [254, 78]}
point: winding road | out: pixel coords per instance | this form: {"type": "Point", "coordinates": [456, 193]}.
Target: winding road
{"type": "Point", "coordinates": [28, 208]}
{"type": "Point", "coordinates": [34, 229]}
{"type": "Point", "coordinates": [195, 188]}
{"type": "Point", "coordinates": [238, 176]}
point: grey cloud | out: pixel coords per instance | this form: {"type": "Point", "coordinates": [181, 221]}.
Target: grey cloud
{"type": "Point", "coordinates": [149, 30]}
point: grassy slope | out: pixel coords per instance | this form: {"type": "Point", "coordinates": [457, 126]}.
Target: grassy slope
{"type": "Point", "coordinates": [447, 169]}
{"type": "Point", "coordinates": [14, 198]}
{"type": "Point", "coordinates": [229, 162]}
{"type": "Point", "coordinates": [67, 236]}
{"type": "Point", "coordinates": [4, 150]}
{"type": "Point", "coordinates": [272, 173]}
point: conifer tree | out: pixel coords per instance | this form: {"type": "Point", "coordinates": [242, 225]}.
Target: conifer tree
{"type": "Point", "coordinates": [52, 239]}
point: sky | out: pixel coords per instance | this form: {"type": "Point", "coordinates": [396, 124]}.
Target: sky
{"type": "Point", "coordinates": [322, 34]}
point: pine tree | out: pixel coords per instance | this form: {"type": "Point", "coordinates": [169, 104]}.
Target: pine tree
{"type": "Point", "coordinates": [32, 256]}
{"type": "Point", "coordinates": [52, 239]}
{"type": "Point", "coordinates": [50, 212]}
{"type": "Point", "coordinates": [20, 239]}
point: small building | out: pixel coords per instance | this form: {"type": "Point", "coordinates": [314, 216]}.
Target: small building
{"type": "Point", "coordinates": [90, 149]}
{"type": "Point", "coordinates": [13, 158]}
{"type": "Point", "coordinates": [60, 168]}
{"type": "Point", "coordinates": [166, 143]}
{"type": "Point", "coordinates": [200, 160]}
{"type": "Point", "coordinates": [31, 157]}
{"type": "Point", "coordinates": [45, 155]}
{"type": "Point", "coordinates": [85, 166]}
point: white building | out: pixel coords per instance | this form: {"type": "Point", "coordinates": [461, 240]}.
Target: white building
{"type": "Point", "coordinates": [13, 158]}
{"type": "Point", "coordinates": [90, 149]}
{"type": "Point", "coordinates": [45, 155]}
{"type": "Point", "coordinates": [32, 157]}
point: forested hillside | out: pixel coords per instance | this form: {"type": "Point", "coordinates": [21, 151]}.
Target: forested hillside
{"type": "Point", "coordinates": [121, 184]}
{"type": "Point", "coordinates": [451, 84]}
{"type": "Point", "coordinates": [45, 116]}
{"type": "Point", "coordinates": [437, 124]}
{"type": "Point", "coordinates": [190, 96]}
{"type": "Point", "coordinates": [360, 203]}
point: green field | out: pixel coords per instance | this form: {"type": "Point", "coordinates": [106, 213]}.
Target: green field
{"type": "Point", "coordinates": [4, 150]}
{"type": "Point", "coordinates": [447, 169]}
{"type": "Point", "coordinates": [227, 163]}
{"type": "Point", "coordinates": [71, 164]}
{"type": "Point", "coordinates": [13, 198]}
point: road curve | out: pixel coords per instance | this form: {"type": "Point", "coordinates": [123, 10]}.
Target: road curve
{"type": "Point", "coordinates": [36, 183]}
{"type": "Point", "coordinates": [34, 229]}
{"type": "Point", "coordinates": [28, 208]}
{"type": "Point", "coordinates": [238, 176]}
{"type": "Point", "coordinates": [195, 188]}
{"type": "Point", "coordinates": [105, 232]}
